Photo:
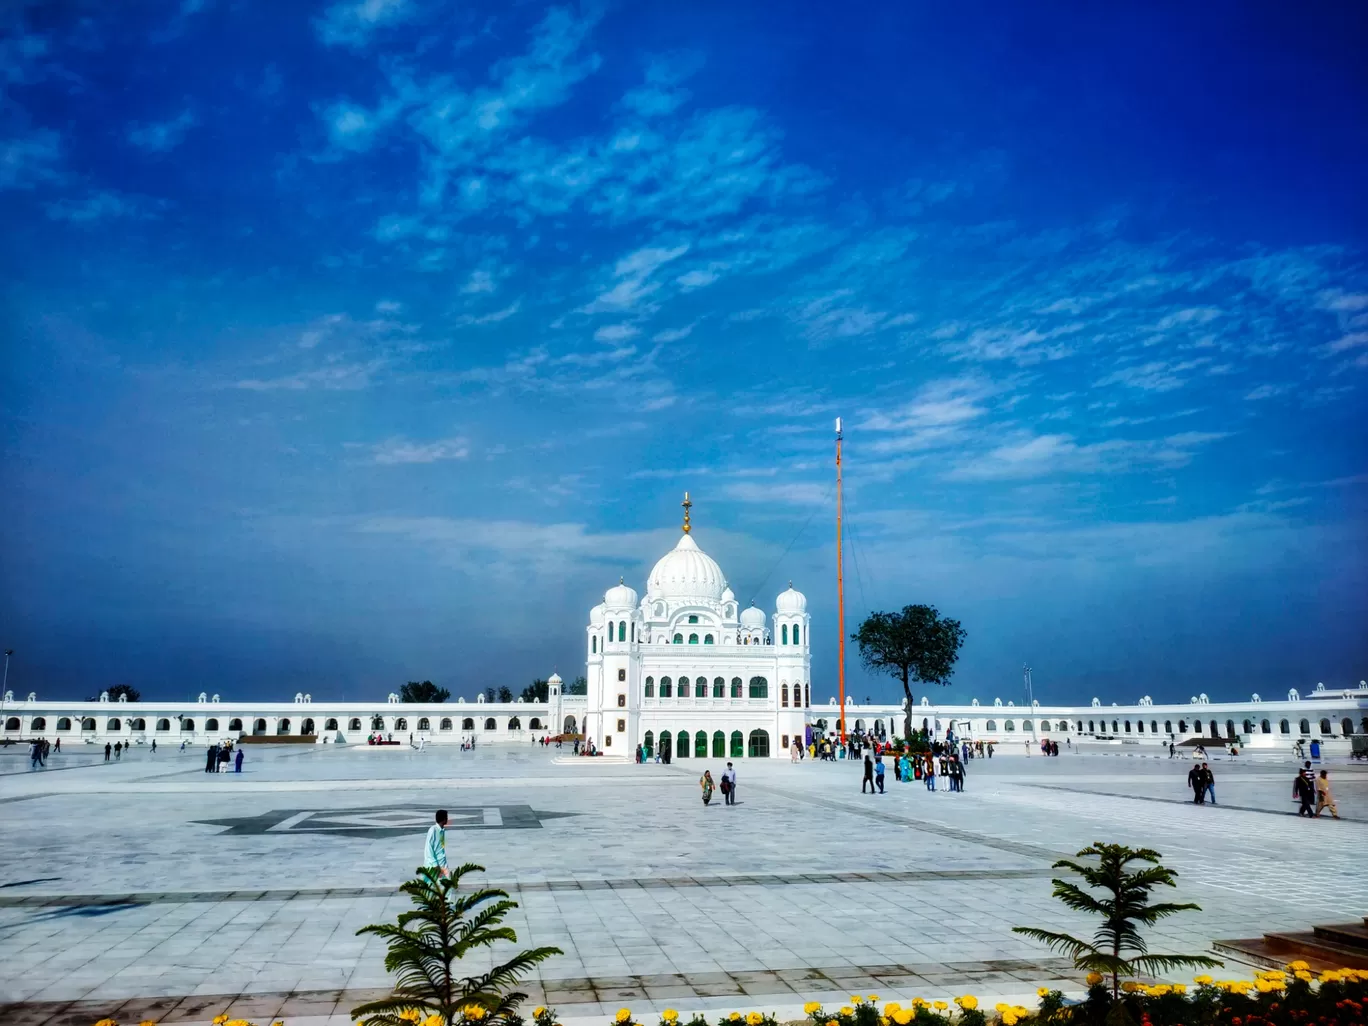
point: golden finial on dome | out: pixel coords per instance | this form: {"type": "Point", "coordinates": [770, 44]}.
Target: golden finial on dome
{"type": "Point", "coordinates": [687, 506]}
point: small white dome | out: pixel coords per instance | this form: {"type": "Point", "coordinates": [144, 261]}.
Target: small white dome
{"type": "Point", "coordinates": [791, 601]}
{"type": "Point", "coordinates": [554, 679]}
{"type": "Point", "coordinates": [596, 616]}
{"type": "Point", "coordinates": [688, 573]}
{"type": "Point", "coordinates": [752, 617]}
{"type": "Point", "coordinates": [620, 596]}
{"type": "Point", "coordinates": [728, 595]}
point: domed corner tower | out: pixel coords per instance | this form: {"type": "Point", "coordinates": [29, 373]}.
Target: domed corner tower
{"type": "Point", "coordinates": [793, 655]}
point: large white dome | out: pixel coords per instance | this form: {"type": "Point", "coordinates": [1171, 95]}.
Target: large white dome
{"type": "Point", "coordinates": [686, 572]}
{"type": "Point", "coordinates": [791, 601]}
{"type": "Point", "coordinates": [752, 617]}
{"type": "Point", "coordinates": [620, 596]}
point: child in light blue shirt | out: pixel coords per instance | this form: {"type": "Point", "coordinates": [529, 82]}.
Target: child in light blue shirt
{"type": "Point", "coordinates": [434, 849]}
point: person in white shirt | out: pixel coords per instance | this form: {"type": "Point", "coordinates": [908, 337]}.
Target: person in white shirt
{"type": "Point", "coordinates": [434, 848]}
{"type": "Point", "coordinates": [729, 775]}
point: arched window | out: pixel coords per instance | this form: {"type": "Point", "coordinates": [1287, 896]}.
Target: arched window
{"type": "Point", "coordinates": [1115, 729]}
{"type": "Point", "coordinates": [736, 687]}
{"type": "Point", "coordinates": [1325, 727]}
{"type": "Point", "coordinates": [1009, 725]}
{"type": "Point", "coordinates": [445, 724]}
{"type": "Point", "coordinates": [693, 639]}
{"type": "Point", "coordinates": [1215, 730]}
{"type": "Point", "coordinates": [797, 633]}
{"type": "Point", "coordinates": [424, 723]}
{"type": "Point", "coordinates": [468, 723]}
{"type": "Point", "coordinates": [40, 723]}
{"type": "Point", "coordinates": [693, 618]}
{"type": "Point", "coordinates": [377, 723]}
{"type": "Point", "coordinates": [648, 744]}
{"type": "Point", "coordinates": [678, 640]}
{"type": "Point", "coordinates": [622, 630]}
{"type": "Point", "coordinates": [666, 689]}
{"type": "Point", "coordinates": [187, 725]}
{"type": "Point", "coordinates": [807, 696]}
{"type": "Point", "coordinates": [1026, 725]}
{"type": "Point", "coordinates": [757, 746]}
{"type": "Point", "coordinates": [719, 688]}
{"type": "Point", "coordinates": [738, 745]}
{"type": "Point", "coordinates": [330, 724]}
{"type": "Point", "coordinates": [719, 745]}
{"type": "Point", "coordinates": [684, 690]}
{"type": "Point", "coordinates": [1092, 727]}
{"type": "Point", "coordinates": [1305, 726]}
{"type": "Point", "coordinates": [12, 723]}
{"type": "Point", "coordinates": [211, 725]}
{"type": "Point", "coordinates": [701, 745]}
{"type": "Point", "coordinates": [992, 725]}
{"type": "Point", "coordinates": [113, 724]}
{"type": "Point", "coordinates": [1168, 726]}
{"type": "Point", "coordinates": [514, 723]}
{"type": "Point", "coordinates": [401, 723]}
{"type": "Point", "coordinates": [1154, 726]}
{"type": "Point", "coordinates": [63, 723]}
{"type": "Point", "coordinates": [707, 639]}
{"type": "Point", "coordinates": [783, 633]}
{"type": "Point", "coordinates": [650, 687]}
{"type": "Point", "coordinates": [1284, 727]}
{"type": "Point", "coordinates": [1230, 728]}
{"type": "Point", "coordinates": [1182, 726]}
{"type": "Point", "coordinates": [1346, 726]}
{"type": "Point", "coordinates": [534, 723]}
{"type": "Point", "coordinates": [88, 723]}
{"type": "Point", "coordinates": [759, 687]}
{"type": "Point", "coordinates": [570, 725]}
{"type": "Point", "coordinates": [259, 727]}
{"type": "Point", "coordinates": [682, 745]}
{"type": "Point", "coordinates": [490, 724]}
{"type": "Point", "coordinates": [233, 724]}
{"type": "Point", "coordinates": [593, 643]}
{"type": "Point", "coordinates": [1139, 726]}
{"type": "Point", "coordinates": [284, 727]}
{"type": "Point", "coordinates": [307, 729]}
{"type": "Point", "coordinates": [354, 723]}
{"type": "Point", "coordinates": [666, 741]}
{"type": "Point", "coordinates": [783, 696]}
{"type": "Point", "coordinates": [1265, 726]}
{"type": "Point", "coordinates": [1128, 727]}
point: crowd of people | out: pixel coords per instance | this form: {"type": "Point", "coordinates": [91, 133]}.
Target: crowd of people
{"type": "Point", "coordinates": [219, 756]}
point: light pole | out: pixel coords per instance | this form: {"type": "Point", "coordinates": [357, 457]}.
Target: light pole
{"type": "Point", "coordinates": [1030, 699]}
{"type": "Point", "coordinates": [5, 687]}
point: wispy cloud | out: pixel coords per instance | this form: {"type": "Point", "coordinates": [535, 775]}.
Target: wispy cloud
{"type": "Point", "coordinates": [98, 206]}
{"type": "Point", "coordinates": [352, 23]}
{"type": "Point", "coordinates": [30, 159]}
{"type": "Point", "coordinates": [399, 451]}
{"type": "Point", "coordinates": [339, 377]}
{"type": "Point", "coordinates": [161, 136]}
{"type": "Point", "coordinates": [1031, 456]}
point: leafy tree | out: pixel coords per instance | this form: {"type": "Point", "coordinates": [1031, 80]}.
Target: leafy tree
{"type": "Point", "coordinates": [1117, 949]}
{"type": "Point", "coordinates": [917, 644]}
{"type": "Point", "coordinates": [578, 686]}
{"type": "Point", "coordinates": [535, 692]}
{"type": "Point", "coordinates": [426, 942]}
{"type": "Point", "coordinates": [423, 691]}
{"type": "Point", "coordinates": [489, 694]}
{"type": "Point", "coordinates": [505, 694]}
{"type": "Point", "coordinates": [134, 695]}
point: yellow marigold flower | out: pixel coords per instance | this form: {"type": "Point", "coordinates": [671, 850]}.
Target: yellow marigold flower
{"type": "Point", "coordinates": [903, 1016]}
{"type": "Point", "coordinates": [940, 1006]}
{"type": "Point", "coordinates": [669, 1015]}
{"type": "Point", "coordinates": [811, 1007]}
{"type": "Point", "coordinates": [967, 1001]}
{"type": "Point", "coordinates": [855, 999]}
{"type": "Point", "coordinates": [1329, 976]}
{"type": "Point", "coordinates": [413, 1015]}
{"type": "Point", "coordinates": [872, 999]}
{"type": "Point", "coordinates": [1263, 985]}
{"type": "Point", "coordinates": [219, 1020]}
{"type": "Point", "coordinates": [147, 1022]}
{"type": "Point", "coordinates": [1042, 991]}
{"type": "Point", "coordinates": [111, 1022]}
{"type": "Point", "coordinates": [1202, 980]}
{"type": "Point", "coordinates": [735, 1017]}
{"type": "Point", "coordinates": [623, 1014]}
{"type": "Point", "coordinates": [891, 1007]}
{"type": "Point", "coordinates": [847, 1010]}
{"type": "Point", "coordinates": [754, 1019]}
{"type": "Point", "coordinates": [1130, 986]}
{"type": "Point", "coordinates": [539, 1011]}
{"type": "Point", "coordinates": [1001, 1006]}
{"type": "Point", "coordinates": [885, 1021]}
{"type": "Point", "coordinates": [1180, 988]}
{"type": "Point", "coordinates": [1298, 964]}
{"type": "Point", "coordinates": [1303, 975]}
{"type": "Point", "coordinates": [1094, 979]}
{"type": "Point", "coordinates": [1008, 1018]}
{"type": "Point", "coordinates": [434, 1020]}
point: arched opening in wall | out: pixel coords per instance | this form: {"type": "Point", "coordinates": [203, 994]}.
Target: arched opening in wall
{"type": "Point", "coordinates": [283, 727]}
{"type": "Point", "coordinates": [759, 687]}
{"type": "Point", "coordinates": [666, 687]}
{"type": "Point", "coordinates": [1009, 725]}
{"type": "Point", "coordinates": [757, 745]}
{"type": "Point", "coordinates": [401, 723]}
{"type": "Point", "coordinates": [682, 745]}
{"type": "Point", "coordinates": [534, 723]}
{"type": "Point", "coordinates": [738, 745]}
{"type": "Point", "coordinates": [666, 744]}
{"type": "Point", "coordinates": [514, 723]}
{"type": "Point", "coordinates": [701, 745]}
{"type": "Point", "coordinates": [211, 725]}
{"type": "Point", "coordinates": [569, 726]}
{"type": "Point", "coordinates": [331, 724]}
{"type": "Point", "coordinates": [783, 695]}
{"type": "Point", "coordinates": [40, 723]}
{"type": "Point", "coordinates": [1128, 726]}
{"type": "Point", "coordinates": [258, 727]}
{"type": "Point", "coordinates": [1346, 726]}
{"type": "Point", "coordinates": [783, 634]}
{"type": "Point", "coordinates": [63, 723]}
{"type": "Point", "coordinates": [1215, 730]}
{"type": "Point", "coordinates": [88, 723]}
{"type": "Point", "coordinates": [991, 725]}
{"type": "Point", "coordinates": [593, 644]}
{"type": "Point", "coordinates": [1265, 726]}
{"type": "Point", "coordinates": [354, 723]}
{"type": "Point", "coordinates": [649, 691]}
{"type": "Point", "coordinates": [1154, 726]}
{"type": "Point", "coordinates": [719, 688]}
{"type": "Point", "coordinates": [1230, 729]}
{"type": "Point", "coordinates": [1182, 726]}
{"type": "Point", "coordinates": [719, 747]}
{"type": "Point", "coordinates": [1325, 727]}
{"type": "Point", "coordinates": [807, 696]}
{"type": "Point", "coordinates": [233, 724]}
{"type": "Point", "coordinates": [1092, 727]}
{"type": "Point", "coordinates": [707, 639]}
{"type": "Point", "coordinates": [622, 630]}
{"type": "Point", "coordinates": [679, 639]}
{"type": "Point", "coordinates": [12, 723]}
{"type": "Point", "coordinates": [308, 729]}
{"type": "Point", "coordinates": [797, 634]}
{"type": "Point", "coordinates": [1305, 726]}
{"type": "Point", "coordinates": [163, 724]}
{"type": "Point", "coordinates": [114, 723]}
{"type": "Point", "coordinates": [685, 688]}
{"type": "Point", "coordinates": [1363, 725]}
{"type": "Point", "coordinates": [469, 724]}
{"type": "Point", "coordinates": [1064, 725]}
{"type": "Point", "coordinates": [1247, 727]}
{"type": "Point", "coordinates": [1284, 727]}
{"type": "Point", "coordinates": [1115, 729]}
{"type": "Point", "coordinates": [736, 687]}
{"type": "Point", "coordinates": [648, 744]}
{"type": "Point", "coordinates": [187, 725]}
{"type": "Point", "coordinates": [377, 722]}
{"type": "Point", "coordinates": [444, 723]}
{"type": "Point", "coordinates": [1139, 726]}
{"type": "Point", "coordinates": [693, 639]}
{"type": "Point", "coordinates": [489, 723]}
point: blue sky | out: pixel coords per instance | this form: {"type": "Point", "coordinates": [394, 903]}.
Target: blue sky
{"type": "Point", "coordinates": [371, 341]}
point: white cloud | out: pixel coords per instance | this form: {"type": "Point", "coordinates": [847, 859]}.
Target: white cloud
{"type": "Point", "coordinates": [672, 335]}
{"type": "Point", "coordinates": [1048, 455]}
{"type": "Point", "coordinates": [490, 318]}
{"type": "Point", "coordinates": [615, 333]}
{"type": "Point", "coordinates": [479, 281]}
{"type": "Point", "coordinates": [398, 450]}
{"type": "Point", "coordinates": [351, 23]}
{"type": "Point", "coordinates": [162, 136]}
{"type": "Point", "coordinates": [795, 493]}
{"type": "Point", "coordinates": [1266, 391]}
{"type": "Point", "coordinates": [26, 161]}
{"type": "Point", "coordinates": [696, 280]}
{"type": "Point", "coordinates": [339, 377]}
{"type": "Point", "coordinates": [96, 207]}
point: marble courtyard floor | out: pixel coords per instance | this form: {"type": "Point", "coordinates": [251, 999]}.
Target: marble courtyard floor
{"type": "Point", "coordinates": [148, 889]}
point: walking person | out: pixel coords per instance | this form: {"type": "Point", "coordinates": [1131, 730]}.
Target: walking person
{"type": "Point", "coordinates": [154, 746]}
{"type": "Point", "coordinates": [237, 762]}
{"type": "Point", "coordinates": [868, 780]}
{"type": "Point", "coordinates": [705, 782]}
{"type": "Point", "coordinates": [1210, 779]}
{"type": "Point", "coordinates": [434, 845]}
{"type": "Point", "coordinates": [108, 748]}
{"type": "Point", "coordinates": [879, 772]}
{"type": "Point", "coordinates": [211, 759]}
{"type": "Point", "coordinates": [1325, 799]}
{"type": "Point", "coordinates": [1198, 784]}
{"type": "Point", "coordinates": [118, 750]}
{"type": "Point", "coordinates": [930, 775]}
{"type": "Point", "coordinates": [729, 776]}
{"type": "Point", "coordinates": [1303, 791]}
{"type": "Point", "coordinates": [36, 755]}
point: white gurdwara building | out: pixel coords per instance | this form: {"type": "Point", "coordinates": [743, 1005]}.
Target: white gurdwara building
{"type": "Point", "coordinates": [681, 670]}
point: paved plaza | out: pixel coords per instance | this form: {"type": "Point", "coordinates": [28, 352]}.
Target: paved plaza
{"type": "Point", "coordinates": [149, 889]}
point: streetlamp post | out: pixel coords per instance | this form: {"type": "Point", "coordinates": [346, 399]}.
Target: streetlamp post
{"type": "Point", "coordinates": [1030, 700]}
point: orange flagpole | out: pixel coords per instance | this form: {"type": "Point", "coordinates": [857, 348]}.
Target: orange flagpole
{"type": "Point", "coordinates": [840, 588]}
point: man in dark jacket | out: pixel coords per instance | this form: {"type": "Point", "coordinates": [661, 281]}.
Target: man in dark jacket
{"type": "Point", "coordinates": [1304, 791]}
{"type": "Point", "coordinates": [1209, 782]}
{"type": "Point", "coordinates": [1198, 784]}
